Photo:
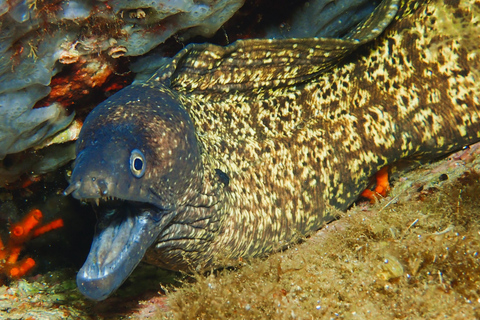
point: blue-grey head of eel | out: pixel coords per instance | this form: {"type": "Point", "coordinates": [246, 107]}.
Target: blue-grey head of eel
{"type": "Point", "coordinates": [137, 158]}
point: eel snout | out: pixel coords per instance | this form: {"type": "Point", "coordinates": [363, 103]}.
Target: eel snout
{"type": "Point", "coordinates": [89, 179]}
{"type": "Point", "coordinates": [87, 187]}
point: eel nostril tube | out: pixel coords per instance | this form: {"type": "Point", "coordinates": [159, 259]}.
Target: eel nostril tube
{"type": "Point", "coordinates": [103, 188]}
{"type": "Point", "coordinates": [72, 187]}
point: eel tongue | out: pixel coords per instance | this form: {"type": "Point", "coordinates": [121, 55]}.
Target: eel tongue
{"type": "Point", "coordinates": [121, 239]}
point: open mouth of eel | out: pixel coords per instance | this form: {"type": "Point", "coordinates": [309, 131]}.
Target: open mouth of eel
{"type": "Point", "coordinates": [124, 231]}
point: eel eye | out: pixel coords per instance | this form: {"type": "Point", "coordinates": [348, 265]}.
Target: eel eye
{"type": "Point", "coordinates": [137, 163]}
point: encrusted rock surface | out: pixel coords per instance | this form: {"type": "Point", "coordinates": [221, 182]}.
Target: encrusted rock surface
{"type": "Point", "coordinates": [38, 38]}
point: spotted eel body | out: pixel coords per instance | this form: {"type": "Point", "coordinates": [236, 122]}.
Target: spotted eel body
{"type": "Point", "coordinates": [236, 151]}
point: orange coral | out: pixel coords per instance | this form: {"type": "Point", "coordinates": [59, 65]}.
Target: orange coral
{"type": "Point", "coordinates": [382, 187]}
{"type": "Point", "coordinates": [20, 233]}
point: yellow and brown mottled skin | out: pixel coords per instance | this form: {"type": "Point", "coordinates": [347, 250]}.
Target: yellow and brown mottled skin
{"type": "Point", "coordinates": [291, 152]}
{"type": "Point", "coordinates": [285, 131]}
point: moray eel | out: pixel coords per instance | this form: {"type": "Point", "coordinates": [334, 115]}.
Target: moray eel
{"type": "Point", "coordinates": [237, 151]}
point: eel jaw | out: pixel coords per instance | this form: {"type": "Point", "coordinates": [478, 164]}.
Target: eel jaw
{"type": "Point", "coordinates": [122, 236]}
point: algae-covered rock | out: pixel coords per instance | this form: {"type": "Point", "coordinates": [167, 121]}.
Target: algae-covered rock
{"type": "Point", "coordinates": [38, 38]}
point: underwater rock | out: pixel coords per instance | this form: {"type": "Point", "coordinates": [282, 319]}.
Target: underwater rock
{"type": "Point", "coordinates": [324, 19]}
{"type": "Point", "coordinates": [39, 37]}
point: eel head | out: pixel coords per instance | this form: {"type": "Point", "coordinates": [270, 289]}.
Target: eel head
{"type": "Point", "coordinates": [138, 162]}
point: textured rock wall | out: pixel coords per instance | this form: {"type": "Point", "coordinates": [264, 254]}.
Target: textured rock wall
{"type": "Point", "coordinates": [37, 38]}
